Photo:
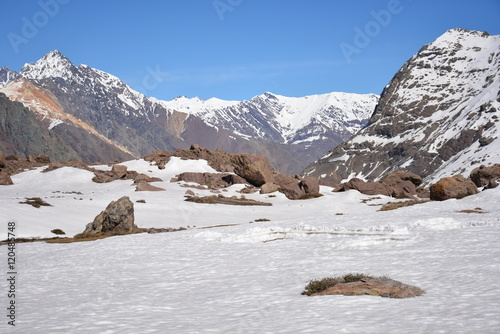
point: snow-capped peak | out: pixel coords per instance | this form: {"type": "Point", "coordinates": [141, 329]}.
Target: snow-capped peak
{"type": "Point", "coordinates": [53, 64]}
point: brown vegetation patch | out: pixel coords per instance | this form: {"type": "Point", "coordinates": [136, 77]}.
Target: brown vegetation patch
{"type": "Point", "coordinates": [396, 205]}
{"type": "Point", "coordinates": [476, 210]}
{"type": "Point", "coordinates": [35, 202]}
{"type": "Point", "coordinates": [361, 284]}
{"type": "Point", "coordinates": [220, 199]}
{"type": "Point", "coordinates": [215, 226]}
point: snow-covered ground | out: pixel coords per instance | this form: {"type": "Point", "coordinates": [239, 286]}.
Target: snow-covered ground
{"type": "Point", "coordinates": [246, 278]}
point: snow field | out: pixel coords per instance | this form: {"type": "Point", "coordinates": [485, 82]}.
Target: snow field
{"type": "Point", "coordinates": [247, 278]}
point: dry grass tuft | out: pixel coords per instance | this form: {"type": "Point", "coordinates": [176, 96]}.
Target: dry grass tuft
{"type": "Point", "coordinates": [396, 205]}
{"type": "Point", "coordinates": [35, 202]}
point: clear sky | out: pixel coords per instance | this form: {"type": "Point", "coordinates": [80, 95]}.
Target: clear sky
{"type": "Point", "coordinates": [236, 49]}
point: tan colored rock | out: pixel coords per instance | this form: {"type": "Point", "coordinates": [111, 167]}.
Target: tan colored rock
{"type": "Point", "coordinates": [252, 167]}
{"type": "Point", "coordinates": [400, 176]}
{"type": "Point", "coordinates": [452, 187]}
{"type": "Point", "coordinates": [144, 186]}
{"type": "Point", "coordinates": [119, 171]}
{"type": "Point", "coordinates": [268, 188]}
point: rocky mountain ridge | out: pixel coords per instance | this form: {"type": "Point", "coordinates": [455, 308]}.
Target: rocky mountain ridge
{"type": "Point", "coordinates": [438, 115]}
{"type": "Point", "coordinates": [79, 101]}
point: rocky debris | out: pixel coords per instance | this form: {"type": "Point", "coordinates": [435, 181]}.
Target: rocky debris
{"type": "Point", "coordinates": [367, 188]}
{"type": "Point", "coordinates": [146, 178]}
{"type": "Point", "coordinates": [249, 189]}
{"type": "Point", "coordinates": [116, 219]}
{"type": "Point", "coordinates": [221, 199]}
{"type": "Point", "coordinates": [119, 172]}
{"type": "Point", "coordinates": [70, 163]}
{"type": "Point", "coordinates": [5, 180]}
{"type": "Point", "coordinates": [487, 177]}
{"type": "Point", "coordinates": [452, 187]}
{"type": "Point", "coordinates": [373, 286]}
{"type": "Point", "coordinates": [43, 159]}
{"type": "Point", "coordinates": [400, 176]}
{"type": "Point", "coordinates": [154, 230]}
{"type": "Point", "coordinates": [212, 180]}
{"type": "Point", "coordinates": [145, 186]}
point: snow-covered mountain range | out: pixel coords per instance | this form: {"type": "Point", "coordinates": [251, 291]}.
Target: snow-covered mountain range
{"type": "Point", "coordinates": [438, 116]}
{"type": "Point", "coordinates": [79, 101]}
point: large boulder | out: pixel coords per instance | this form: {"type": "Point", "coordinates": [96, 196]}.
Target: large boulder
{"type": "Point", "coordinates": [400, 176]}
{"type": "Point", "coordinates": [367, 188]}
{"type": "Point", "coordinates": [452, 187]}
{"type": "Point", "coordinates": [254, 168]}
{"type": "Point", "coordinates": [486, 176]}
{"type": "Point", "coordinates": [294, 187]}
{"type": "Point", "coordinates": [116, 219]}
{"type": "Point", "coordinates": [288, 185]}
{"type": "Point", "coordinates": [404, 189]}
{"type": "Point", "coordinates": [309, 185]}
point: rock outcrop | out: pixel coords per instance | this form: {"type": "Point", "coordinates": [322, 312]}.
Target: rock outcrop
{"type": "Point", "coordinates": [211, 180]}
{"type": "Point", "coordinates": [487, 177]}
{"type": "Point", "coordinates": [116, 219]}
{"type": "Point", "coordinates": [452, 187]}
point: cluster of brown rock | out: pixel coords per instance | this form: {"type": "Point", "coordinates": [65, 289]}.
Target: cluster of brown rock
{"type": "Point", "coordinates": [242, 168]}
{"type": "Point", "coordinates": [119, 172]}
{"type": "Point", "coordinates": [13, 164]}
{"type": "Point", "coordinates": [399, 184]}
{"type": "Point", "coordinates": [458, 186]}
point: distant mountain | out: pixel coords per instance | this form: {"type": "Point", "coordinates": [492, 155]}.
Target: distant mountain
{"type": "Point", "coordinates": [89, 109]}
{"type": "Point", "coordinates": [438, 116]}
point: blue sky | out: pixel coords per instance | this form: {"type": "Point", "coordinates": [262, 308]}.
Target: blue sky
{"type": "Point", "coordinates": [236, 49]}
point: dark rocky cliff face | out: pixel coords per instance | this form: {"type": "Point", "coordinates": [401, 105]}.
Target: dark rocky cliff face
{"type": "Point", "coordinates": [439, 114]}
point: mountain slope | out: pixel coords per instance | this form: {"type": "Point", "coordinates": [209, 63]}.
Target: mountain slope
{"type": "Point", "coordinates": [21, 133]}
{"type": "Point", "coordinates": [292, 132]}
{"type": "Point", "coordinates": [437, 116]}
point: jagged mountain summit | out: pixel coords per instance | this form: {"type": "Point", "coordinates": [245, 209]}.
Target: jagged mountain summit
{"type": "Point", "coordinates": [104, 119]}
{"type": "Point", "coordinates": [439, 115]}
